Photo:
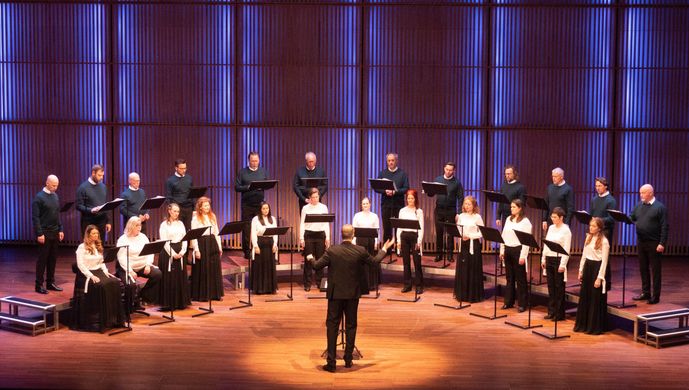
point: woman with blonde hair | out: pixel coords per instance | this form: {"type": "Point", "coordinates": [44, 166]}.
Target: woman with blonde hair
{"type": "Point", "coordinates": [207, 250]}
{"type": "Point", "coordinates": [469, 271]}
{"type": "Point", "coordinates": [592, 311]}
{"type": "Point", "coordinates": [130, 264]}
{"type": "Point", "coordinates": [174, 292]}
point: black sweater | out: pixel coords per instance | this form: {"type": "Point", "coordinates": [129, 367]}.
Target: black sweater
{"type": "Point", "coordinates": [241, 184]}
{"type": "Point", "coordinates": [511, 191]}
{"type": "Point", "coordinates": [455, 191]}
{"type": "Point", "coordinates": [560, 196]}
{"type": "Point", "coordinates": [132, 201]}
{"type": "Point", "coordinates": [302, 173]}
{"type": "Point", "coordinates": [177, 190]}
{"type": "Point", "coordinates": [399, 177]}
{"type": "Point", "coordinates": [599, 208]}
{"type": "Point", "coordinates": [88, 197]}
{"type": "Point", "coordinates": [45, 213]}
{"type": "Point", "coordinates": [651, 222]}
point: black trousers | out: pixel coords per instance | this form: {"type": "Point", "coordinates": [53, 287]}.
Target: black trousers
{"type": "Point", "coordinates": [249, 211]}
{"type": "Point", "coordinates": [441, 216]}
{"type": "Point", "coordinates": [314, 244]}
{"type": "Point", "coordinates": [336, 308]}
{"type": "Point", "coordinates": [649, 257]}
{"type": "Point", "coordinates": [516, 275]}
{"type": "Point", "coordinates": [407, 250]}
{"type": "Point", "coordinates": [47, 257]}
{"type": "Point", "coordinates": [389, 212]}
{"type": "Point", "coordinates": [185, 214]}
{"type": "Point", "coordinates": [556, 288]}
{"type": "Point", "coordinates": [150, 292]}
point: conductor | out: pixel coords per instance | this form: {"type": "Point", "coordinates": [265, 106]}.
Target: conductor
{"type": "Point", "coordinates": [345, 264]}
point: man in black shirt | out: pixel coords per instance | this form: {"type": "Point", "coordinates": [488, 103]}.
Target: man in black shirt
{"type": "Point", "coordinates": [45, 214]}
{"type": "Point", "coordinates": [92, 194]}
{"type": "Point", "coordinates": [513, 189]}
{"type": "Point", "coordinates": [446, 206]}
{"type": "Point", "coordinates": [177, 189]}
{"type": "Point", "coordinates": [559, 194]}
{"type": "Point", "coordinates": [650, 219]}
{"type": "Point", "coordinates": [600, 204]}
{"type": "Point", "coordinates": [251, 199]}
{"type": "Point", "coordinates": [310, 170]}
{"type": "Point", "coordinates": [134, 197]}
{"type": "Point", "coordinates": [392, 201]}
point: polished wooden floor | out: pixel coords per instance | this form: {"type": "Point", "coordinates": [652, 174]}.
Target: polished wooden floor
{"type": "Point", "coordinates": [279, 345]}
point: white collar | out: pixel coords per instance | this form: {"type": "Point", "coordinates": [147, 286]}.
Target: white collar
{"type": "Point", "coordinates": [606, 193]}
{"type": "Point", "coordinates": [561, 184]}
{"type": "Point", "coordinates": [652, 200]}
{"type": "Point", "coordinates": [393, 170]}
{"type": "Point", "coordinates": [512, 182]}
{"type": "Point", "coordinates": [133, 189]}
{"type": "Point", "coordinates": [92, 182]}
{"type": "Point", "coordinates": [310, 170]}
{"type": "Point", "coordinates": [252, 169]}
{"type": "Point", "coordinates": [448, 178]}
{"type": "Point", "coordinates": [178, 175]}
{"type": "Point", "coordinates": [45, 189]}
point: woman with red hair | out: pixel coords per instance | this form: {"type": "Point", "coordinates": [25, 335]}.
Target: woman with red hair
{"type": "Point", "coordinates": [206, 260]}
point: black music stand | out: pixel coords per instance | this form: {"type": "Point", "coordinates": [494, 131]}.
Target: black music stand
{"type": "Point", "coordinates": [624, 219]}
{"type": "Point", "coordinates": [177, 247]}
{"type": "Point", "coordinates": [412, 224]}
{"type": "Point", "coordinates": [498, 198]}
{"type": "Point", "coordinates": [152, 203]}
{"type": "Point", "coordinates": [453, 231]}
{"type": "Point", "coordinates": [557, 248]}
{"type": "Point", "coordinates": [109, 206]}
{"type": "Point", "coordinates": [235, 228]}
{"type": "Point", "coordinates": [492, 235]}
{"type": "Point", "coordinates": [196, 192]}
{"type": "Point", "coordinates": [150, 248]}
{"type": "Point", "coordinates": [195, 234]}
{"type": "Point", "coordinates": [362, 232]}
{"type": "Point", "coordinates": [583, 217]}
{"type": "Point", "coordinates": [320, 218]}
{"type": "Point", "coordinates": [66, 206]}
{"type": "Point", "coordinates": [109, 256]}
{"type": "Point", "coordinates": [535, 202]}
{"type": "Point", "coordinates": [280, 231]}
{"type": "Point", "coordinates": [313, 182]}
{"type": "Point", "coordinates": [343, 344]}
{"type": "Point", "coordinates": [382, 185]}
{"type": "Point", "coordinates": [528, 240]}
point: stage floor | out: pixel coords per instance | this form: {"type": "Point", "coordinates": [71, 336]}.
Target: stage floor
{"type": "Point", "coordinates": [279, 344]}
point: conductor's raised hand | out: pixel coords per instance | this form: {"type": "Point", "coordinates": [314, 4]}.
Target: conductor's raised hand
{"type": "Point", "coordinates": [388, 244]}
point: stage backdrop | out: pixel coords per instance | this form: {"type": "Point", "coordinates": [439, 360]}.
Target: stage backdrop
{"type": "Point", "coordinates": [597, 87]}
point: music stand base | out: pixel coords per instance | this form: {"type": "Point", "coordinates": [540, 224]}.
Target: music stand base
{"type": "Point", "coordinates": [493, 317]}
{"type": "Point", "coordinates": [205, 311]}
{"type": "Point", "coordinates": [287, 298]}
{"type": "Point", "coordinates": [550, 336]}
{"type": "Point", "coordinates": [166, 321]}
{"type": "Point", "coordinates": [416, 299]}
{"type": "Point", "coordinates": [243, 305]}
{"type": "Point", "coordinates": [458, 307]}
{"type": "Point", "coordinates": [127, 329]}
{"type": "Point", "coordinates": [527, 326]}
{"type": "Point", "coordinates": [141, 312]}
{"type": "Point", "coordinates": [376, 296]}
{"type": "Point", "coordinates": [622, 305]}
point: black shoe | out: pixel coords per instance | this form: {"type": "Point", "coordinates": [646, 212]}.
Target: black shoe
{"type": "Point", "coordinates": [438, 258]}
{"type": "Point", "coordinates": [329, 368]}
{"type": "Point", "coordinates": [548, 317]}
{"type": "Point", "coordinates": [307, 288]}
{"type": "Point", "coordinates": [558, 318]}
{"type": "Point", "coordinates": [348, 363]}
{"type": "Point", "coordinates": [505, 307]}
{"type": "Point", "coordinates": [521, 309]}
{"type": "Point", "coordinates": [41, 290]}
{"type": "Point", "coordinates": [419, 290]}
{"type": "Point", "coordinates": [641, 297]}
{"type": "Point", "coordinates": [54, 287]}
{"type": "Point", "coordinates": [406, 289]}
{"type": "Point", "coordinates": [653, 301]}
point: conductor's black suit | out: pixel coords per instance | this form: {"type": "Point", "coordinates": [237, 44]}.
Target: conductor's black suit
{"type": "Point", "coordinates": [345, 264]}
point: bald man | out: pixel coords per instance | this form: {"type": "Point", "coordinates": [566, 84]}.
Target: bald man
{"type": "Point", "coordinates": [45, 214]}
{"type": "Point", "coordinates": [650, 219]}
{"type": "Point", "coordinates": [134, 197]}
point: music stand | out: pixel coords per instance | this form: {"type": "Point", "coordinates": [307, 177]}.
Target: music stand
{"type": "Point", "coordinates": [196, 192]}
{"type": "Point", "coordinates": [234, 228]}
{"type": "Point", "coordinates": [380, 186]}
{"type": "Point", "coordinates": [152, 203]}
{"type": "Point", "coordinates": [557, 248]}
{"type": "Point", "coordinates": [453, 231]}
{"type": "Point", "coordinates": [622, 218]}
{"type": "Point", "coordinates": [412, 224]}
{"type": "Point", "coordinates": [432, 189]}
{"type": "Point", "coordinates": [109, 206]}
{"type": "Point", "coordinates": [152, 248]}
{"type": "Point", "coordinates": [195, 234]}
{"type": "Point", "coordinates": [66, 206]}
{"type": "Point", "coordinates": [262, 185]}
{"type": "Point", "coordinates": [498, 198]}
{"type": "Point", "coordinates": [528, 240]}
{"type": "Point", "coordinates": [362, 232]}
{"type": "Point", "coordinates": [313, 182]}
{"type": "Point", "coordinates": [319, 218]}
{"type": "Point", "coordinates": [492, 235]}
{"type": "Point", "coordinates": [535, 202]}
{"type": "Point", "coordinates": [281, 231]}
{"type": "Point", "coordinates": [109, 256]}
{"type": "Point", "coordinates": [171, 318]}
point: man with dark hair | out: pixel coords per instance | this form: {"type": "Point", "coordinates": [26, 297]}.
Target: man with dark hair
{"type": "Point", "coordinates": [650, 219]}
{"type": "Point", "coordinates": [600, 204]}
{"type": "Point", "coordinates": [513, 189]}
{"type": "Point", "coordinates": [251, 199]}
{"type": "Point", "coordinates": [392, 201]}
{"type": "Point", "coordinates": [345, 264]}
{"type": "Point", "coordinates": [177, 189]}
{"type": "Point", "coordinates": [134, 197]}
{"type": "Point", "coordinates": [559, 194]}
{"type": "Point", "coordinates": [309, 170]}
{"type": "Point", "coordinates": [446, 206]}
{"type": "Point", "coordinates": [45, 214]}
{"type": "Point", "coordinates": [92, 194]}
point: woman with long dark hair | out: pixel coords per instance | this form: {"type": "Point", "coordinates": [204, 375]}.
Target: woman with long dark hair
{"type": "Point", "coordinates": [265, 249]}
{"type": "Point", "coordinates": [515, 256]}
{"type": "Point", "coordinates": [409, 242]}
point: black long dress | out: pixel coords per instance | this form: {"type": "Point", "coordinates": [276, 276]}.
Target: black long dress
{"type": "Point", "coordinates": [263, 274]}
{"type": "Point", "coordinates": [174, 290]}
{"type": "Point", "coordinates": [469, 273]}
{"type": "Point", "coordinates": [371, 271]}
{"type": "Point", "coordinates": [592, 312]}
{"type": "Point", "coordinates": [101, 307]}
{"type": "Point", "coordinates": [207, 272]}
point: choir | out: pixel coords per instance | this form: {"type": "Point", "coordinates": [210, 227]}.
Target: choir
{"type": "Point", "coordinates": [97, 293]}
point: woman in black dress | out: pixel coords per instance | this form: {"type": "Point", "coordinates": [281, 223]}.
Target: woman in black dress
{"type": "Point", "coordinates": [206, 270]}
{"type": "Point", "coordinates": [99, 305]}
{"type": "Point", "coordinates": [592, 312]}
{"type": "Point", "coordinates": [469, 271]}
{"type": "Point", "coordinates": [174, 292]}
{"type": "Point", "coordinates": [265, 249]}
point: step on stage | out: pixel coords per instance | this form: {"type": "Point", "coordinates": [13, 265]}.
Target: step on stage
{"type": "Point", "coordinates": [279, 344]}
